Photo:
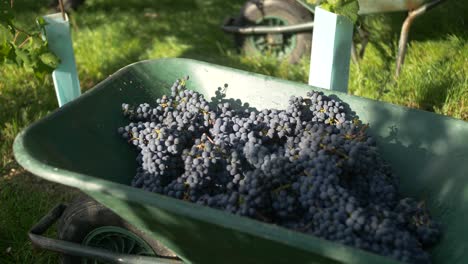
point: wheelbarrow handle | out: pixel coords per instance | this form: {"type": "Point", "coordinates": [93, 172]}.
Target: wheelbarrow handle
{"type": "Point", "coordinates": [301, 27]}
{"type": "Point", "coordinates": [403, 42]}
{"type": "Point", "coordinates": [75, 249]}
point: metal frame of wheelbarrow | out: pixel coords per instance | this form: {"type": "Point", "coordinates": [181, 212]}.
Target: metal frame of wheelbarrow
{"type": "Point", "coordinates": [402, 46]}
{"type": "Point", "coordinates": [75, 249]}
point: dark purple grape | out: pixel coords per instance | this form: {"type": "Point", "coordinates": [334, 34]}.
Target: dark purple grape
{"type": "Point", "coordinates": [311, 167]}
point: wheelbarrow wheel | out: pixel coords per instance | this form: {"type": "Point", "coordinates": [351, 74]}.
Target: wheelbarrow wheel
{"type": "Point", "coordinates": [290, 46]}
{"type": "Point", "coordinates": [89, 223]}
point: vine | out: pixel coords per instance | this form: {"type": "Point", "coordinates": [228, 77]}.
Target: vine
{"type": "Point", "coordinates": [24, 48]}
{"type": "Point", "coordinates": [347, 8]}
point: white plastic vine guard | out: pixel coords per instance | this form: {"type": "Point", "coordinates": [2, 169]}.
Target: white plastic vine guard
{"type": "Point", "coordinates": [65, 76]}
{"type": "Point", "coordinates": [331, 51]}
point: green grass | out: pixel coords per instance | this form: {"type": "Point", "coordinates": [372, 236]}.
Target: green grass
{"type": "Point", "coordinates": [111, 34]}
{"type": "Point", "coordinates": [24, 200]}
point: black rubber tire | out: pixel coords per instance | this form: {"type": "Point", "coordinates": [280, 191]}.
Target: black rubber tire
{"type": "Point", "coordinates": [289, 11]}
{"type": "Point", "coordinates": [84, 214]}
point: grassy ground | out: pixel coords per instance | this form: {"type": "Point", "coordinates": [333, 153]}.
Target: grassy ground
{"type": "Point", "coordinates": [111, 34]}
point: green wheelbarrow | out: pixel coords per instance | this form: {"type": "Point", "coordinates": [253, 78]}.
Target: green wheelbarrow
{"type": "Point", "coordinates": [78, 146]}
{"type": "Point", "coordinates": [283, 28]}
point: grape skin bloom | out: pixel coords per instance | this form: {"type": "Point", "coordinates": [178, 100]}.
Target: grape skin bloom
{"type": "Point", "coordinates": [312, 167]}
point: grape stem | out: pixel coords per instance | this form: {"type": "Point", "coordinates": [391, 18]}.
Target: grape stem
{"type": "Point", "coordinates": [362, 133]}
{"type": "Point", "coordinates": [208, 137]}
{"type": "Point", "coordinates": [282, 187]}
{"type": "Point", "coordinates": [263, 218]}
{"type": "Point", "coordinates": [337, 151]}
{"type": "Point", "coordinates": [132, 137]}
{"type": "Point", "coordinates": [304, 228]}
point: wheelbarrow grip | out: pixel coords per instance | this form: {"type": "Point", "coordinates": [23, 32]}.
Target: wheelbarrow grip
{"type": "Point", "coordinates": [75, 249]}
{"type": "Point", "coordinates": [48, 220]}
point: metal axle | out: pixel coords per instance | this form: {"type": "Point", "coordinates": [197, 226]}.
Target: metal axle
{"type": "Point", "coordinates": [269, 29]}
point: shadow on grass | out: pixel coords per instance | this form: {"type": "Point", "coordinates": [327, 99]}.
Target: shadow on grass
{"type": "Point", "coordinates": [193, 27]}
{"type": "Point", "coordinates": [162, 30]}
{"type": "Point", "coordinates": [24, 199]}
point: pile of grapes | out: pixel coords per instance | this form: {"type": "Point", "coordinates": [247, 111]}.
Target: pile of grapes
{"type": "Point", "coordinates": [311, 168]}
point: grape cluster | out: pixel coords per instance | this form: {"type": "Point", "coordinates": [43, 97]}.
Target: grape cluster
{"type": "Point", "coordinates": [312, 167]}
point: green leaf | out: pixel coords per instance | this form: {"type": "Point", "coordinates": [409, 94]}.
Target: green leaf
{"type": "Point", "coordinates": [36, 43]}
{"type": "Point", "coordinates": [45, 60]}
{"type": "Point", "coordinates": [28, 50]}
{"type": "Point", "coordinates": [41, 70]}
{"type": "Point", "coordinates": [41, 23]}
{"type": "Point", "coordinates": [347, 8]}
{"type": "Point", "coordinates": [6, 51]}
{"type": "Point", "coordinates": [23, 57]}
{"type": "Point", "coordinates": [50, 59]}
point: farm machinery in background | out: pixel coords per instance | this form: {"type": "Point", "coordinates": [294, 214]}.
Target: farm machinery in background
{"type": "Point", "coordinates": [283, 28]}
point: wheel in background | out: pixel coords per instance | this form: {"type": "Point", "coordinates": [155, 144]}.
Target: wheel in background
{"type": "Point", "coordinates": [89, 223]}
{"type": "Point", "coordinates": [290, 46]}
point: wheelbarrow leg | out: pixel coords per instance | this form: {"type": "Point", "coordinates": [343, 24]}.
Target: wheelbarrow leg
{"type": "Point", "coordinates": [364, 34]}
{"type": "Point", "coordinates": [402, 45]}
{"type": "Point", "coordinates": [356, 55]}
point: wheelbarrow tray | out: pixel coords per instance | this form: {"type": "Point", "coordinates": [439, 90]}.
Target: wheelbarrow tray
{"type": "Point", "coordinates": [78, 145]}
